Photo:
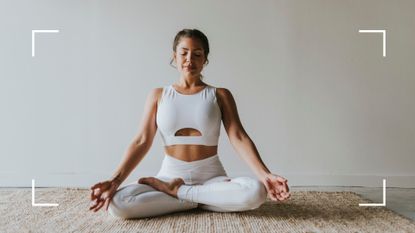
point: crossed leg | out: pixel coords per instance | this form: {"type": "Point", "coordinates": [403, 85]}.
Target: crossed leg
{"type": "Point", "coordinates": [139, 201]}
{"type": "Point", "coordinates": [156, 196]}
{"type": "Point", "coordinates": [224, 194]}
{"type": "Point", "coordinates": [221, 193]}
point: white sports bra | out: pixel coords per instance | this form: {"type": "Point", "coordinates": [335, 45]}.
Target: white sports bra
{"type": "Point", "coordinates": [199, 111]}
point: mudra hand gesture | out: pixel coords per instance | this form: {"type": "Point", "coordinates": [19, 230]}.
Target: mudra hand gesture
{"type": "Point", "coordinates": [102, 193]}
{"type": "Point", "coordinates": [277, 187]}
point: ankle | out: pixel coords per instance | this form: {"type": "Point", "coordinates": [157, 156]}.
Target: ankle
{"type": "Point", "coordinates": [175, 186]}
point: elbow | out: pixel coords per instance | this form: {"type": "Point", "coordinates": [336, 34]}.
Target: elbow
{"type": "Point", "coordinates": [142, 143]}
{"type": "Point", "coordinates": [239, 137]}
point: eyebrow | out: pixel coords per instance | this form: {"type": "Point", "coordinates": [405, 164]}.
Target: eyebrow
{"type": "Point", "coordinates": [188, 49]}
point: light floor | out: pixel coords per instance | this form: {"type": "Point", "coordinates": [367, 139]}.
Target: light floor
{"type": "Point", "coordinates": [400, 200]}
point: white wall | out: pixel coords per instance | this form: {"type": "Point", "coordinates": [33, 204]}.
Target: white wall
{"type": "Point", "coordinates": [318, 99]}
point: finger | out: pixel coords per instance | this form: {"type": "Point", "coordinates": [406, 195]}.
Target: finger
{"type": "Point", "coordinates": [281, 179]}
{"type": "Point", "coordinates": [267, 185]}
{"type": "Point", "coordinates": [284, 195]}
{"type": "Point", "coordinates": [270, 183]}
{"type": "Point", "coordinates": [286, 186]}
{"type": "Point", "coordinates": [287, 195]}
{"type": "Point", "coordinates": [275, 184]}
{"type": "Point", "coordinates": [272, 193]}
{"type": "Point", "coordinates": [94, 205]}
{"type": "Point", "coordinates": [107, 203]}
{"type": "Point", "coordinates": [101, 203]}
{"type": "Point", "coordinates": [95, 198]}
{"type": "Point", "coordinates": [93, 195]}
{"type": "Point", "coordinates": [285, 198]}
{"type": "Point", "coordinates": [97, 192]}
{"type": "Point", "coordinates": [96, 185]}
{"type": "Point", "coordinates": [279, 197]}
{"type": "Point", "coordinates": [277, 189]}
{"type": "Point", "coordinates": [145, 180]}
{"type": "Point", "coordinates": [272, 197]}
{"type": "Point", "coordinates": [280, 188]}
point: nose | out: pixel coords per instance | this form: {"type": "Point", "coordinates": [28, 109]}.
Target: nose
{"type": "Point", "coordinates": [189, 57]}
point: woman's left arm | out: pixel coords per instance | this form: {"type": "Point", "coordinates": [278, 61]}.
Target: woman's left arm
{"type": "Point", "coordinates": [277, 186]}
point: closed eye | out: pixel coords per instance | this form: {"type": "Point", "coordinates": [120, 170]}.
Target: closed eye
{"type": "Point", "coordinates": [196, 55]}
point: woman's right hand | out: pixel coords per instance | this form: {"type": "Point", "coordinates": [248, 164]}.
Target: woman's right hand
{"type": "Point", "coordinates": [102, 193]}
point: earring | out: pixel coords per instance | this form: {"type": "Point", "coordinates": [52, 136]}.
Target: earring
{"type": "Point", "coordinates": [171, 64]}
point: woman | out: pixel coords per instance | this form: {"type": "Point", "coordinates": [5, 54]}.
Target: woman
{"type": "Point", "coordinates": [188, 115]}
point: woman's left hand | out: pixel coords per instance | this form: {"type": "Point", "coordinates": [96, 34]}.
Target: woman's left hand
{"type": "Point", "coordinates": [277, 187]}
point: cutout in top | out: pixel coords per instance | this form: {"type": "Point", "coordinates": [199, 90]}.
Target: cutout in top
{"type": "Point", "coordinates": [188, 132]}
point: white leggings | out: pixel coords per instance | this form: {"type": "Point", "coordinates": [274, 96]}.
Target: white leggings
{"type": "Point", "coordinates": [206, 186]}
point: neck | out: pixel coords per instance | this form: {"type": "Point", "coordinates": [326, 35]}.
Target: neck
{"type": "Point", "coordinates": [190, 81]}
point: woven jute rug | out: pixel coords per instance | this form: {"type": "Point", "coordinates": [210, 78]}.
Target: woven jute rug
{"type": "Point", "coordinates": [303, 212]}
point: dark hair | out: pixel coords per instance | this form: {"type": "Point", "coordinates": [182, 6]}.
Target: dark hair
{"type": "Point", "coordinates": [192, 33]}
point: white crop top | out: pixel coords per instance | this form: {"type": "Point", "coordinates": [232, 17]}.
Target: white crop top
{"type": "Point", "coordinates": [198, 111]}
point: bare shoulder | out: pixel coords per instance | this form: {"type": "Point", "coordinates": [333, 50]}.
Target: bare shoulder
{"type": "Point", "coordinates": [157, 91]}
{"type": "Point", "coordinates": [155, 94]}
{"type": "Point", "coordinates": [223, 94]}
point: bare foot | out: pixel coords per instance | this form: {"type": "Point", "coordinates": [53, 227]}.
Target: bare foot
{"type": "Point", "coordinates": [162, 186]}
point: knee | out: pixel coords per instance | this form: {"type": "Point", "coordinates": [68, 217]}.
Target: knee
{"type": "Point", "coordinates": [117, 208]}
{"type": "Point", "coordinates": [130, 201]}
{"type": "Point", "coordinates": [254, 194]}
{"type": "Point", "coordinates": [121, 206]}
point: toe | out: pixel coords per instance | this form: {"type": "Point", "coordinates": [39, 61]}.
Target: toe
{"type": "Point", "coordinates": [143, 180]}
{"type": "Point", "coordinates": [178, 180]}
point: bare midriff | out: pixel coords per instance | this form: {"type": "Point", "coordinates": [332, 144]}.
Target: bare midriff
{"type": "Point", "coordinates": [190, 153]}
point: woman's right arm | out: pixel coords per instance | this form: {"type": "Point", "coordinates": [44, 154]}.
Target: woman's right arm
{"type": "Point", "coordinates": [102, 192]}
{"type": "Point", "coordinates": [142, 141]}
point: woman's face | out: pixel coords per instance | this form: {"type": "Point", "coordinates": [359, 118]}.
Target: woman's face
{"type": "Point", "coordinates": [189, 56]}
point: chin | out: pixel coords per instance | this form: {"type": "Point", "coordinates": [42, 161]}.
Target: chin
{"type": "Point", "coordinates": [191, 74]}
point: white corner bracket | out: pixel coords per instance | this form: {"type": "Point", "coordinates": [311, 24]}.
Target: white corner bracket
{"type": "Point", "coordinates": [383, 35]}
{"type": "Point", "coordinates": [33, 37]}
{"type": "Point", "coordinates": [33, 198]}
{"type": "Point", "coordinates": [384, 198]}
